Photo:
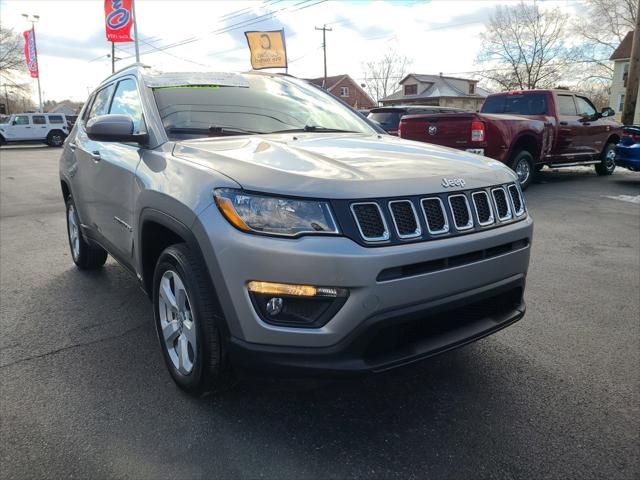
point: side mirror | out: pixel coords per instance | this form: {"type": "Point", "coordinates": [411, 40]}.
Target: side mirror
{"type": "Point", "coordinates": [114, 128]}
{"type": "Point", "coordinates": [607, 112]}
{"type": "Point", "coordinates": [13, 122]}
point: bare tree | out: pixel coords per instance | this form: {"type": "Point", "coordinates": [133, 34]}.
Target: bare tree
{"type": "Point", "coordinates": [11, 52]}
{"type": "Point", "coordinates": [601, 29]}
{"type": "Point", "coordinates": [382, 76]}
{"type": "Point", "coordinates": [523, 47]}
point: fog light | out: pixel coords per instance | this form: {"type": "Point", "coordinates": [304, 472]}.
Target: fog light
{"type": "Point", "coordinates": [296, 305]}
{"type": "Point", "coordinates": [274, 306]}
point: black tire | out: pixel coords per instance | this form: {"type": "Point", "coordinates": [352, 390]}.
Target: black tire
{"type": "Point", "coordinates": [211, 370]}
{"type": "Point", "coordinates": [84, 255]}
{"type": "Point", "coordinates": [607, 160]}
{"type": "Point", "coordinates": [522, 163]}
{"type": "Point", "coordinates": [55, 138]}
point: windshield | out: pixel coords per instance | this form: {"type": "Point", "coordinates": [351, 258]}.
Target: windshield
{"type": "Point", "coordinates": [268, 104]}
{"type": "Point", "coordinates": [533, 103]}
{"type": "Point", "coordinates": [4, 119]}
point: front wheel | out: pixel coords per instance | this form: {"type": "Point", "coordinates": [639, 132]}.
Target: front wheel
{"type": "Point", "coordinates": [522, 164]}
{"type": "Point", "coordinates": [186, 321]}
{"type": "Point", "coordinates": [607, 160]}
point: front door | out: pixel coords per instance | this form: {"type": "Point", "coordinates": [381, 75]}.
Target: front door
{"type": "Point", "coordinates": [20, 128]}
{"type": "Point", "coordinates": [567, 141]}
{"type": "Point", "coordinates": [115, 171]}
{"type": "Point", "coordinates": [595, 131]}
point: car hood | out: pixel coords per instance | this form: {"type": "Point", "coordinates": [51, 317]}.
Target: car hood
{"type": "Point", "coordinates": [328, 165]}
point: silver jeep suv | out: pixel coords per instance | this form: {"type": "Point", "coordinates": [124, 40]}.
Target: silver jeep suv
{"type": "Point", "coordinates": [277, 230]}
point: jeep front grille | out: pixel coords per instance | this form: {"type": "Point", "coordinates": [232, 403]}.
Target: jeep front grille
{"type": "Point", "coordinates": [503, 208]}
{"type": "Point", "coordinates": [397, 220]}
{"type": "Point", "coordinates": [405, 218]}
{"type": "Point", "coordinates": [461, 212]}
{"type": "Point", "coordinates": [436, 217]}
{"type": "Point", "coordinates": [481, 203]}
{"type": "Point", "coordinates": [370, 221]}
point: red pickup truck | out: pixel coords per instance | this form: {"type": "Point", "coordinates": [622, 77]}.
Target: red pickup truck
{"type": "Point", "coordinates": [526, 130]}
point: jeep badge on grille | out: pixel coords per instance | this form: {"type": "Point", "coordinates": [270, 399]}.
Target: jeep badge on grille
{"type": "Point", "coordinates": [452, 182]}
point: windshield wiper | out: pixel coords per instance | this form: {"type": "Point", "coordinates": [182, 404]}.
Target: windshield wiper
{"type": "Point", "coordinates": [212, 131]}
{"type": "Point", "coordinates": [315, 128]}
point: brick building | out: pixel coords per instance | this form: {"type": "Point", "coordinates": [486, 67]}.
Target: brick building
{"type": "Point", "coordinates": [346, 89]}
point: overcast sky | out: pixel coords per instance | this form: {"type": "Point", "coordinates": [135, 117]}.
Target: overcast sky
{"type": "Point", "coordinates": [440, 36]}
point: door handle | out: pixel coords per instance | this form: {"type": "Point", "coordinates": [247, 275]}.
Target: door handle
{"type": "Point", "coordinates": [564, 123]}
{"type": "Point", "coordinates": [586, 123]}
{"type": "Point", "coordinates": [96, 156]}
{"type": "Point", "coordinates": [72, 146]}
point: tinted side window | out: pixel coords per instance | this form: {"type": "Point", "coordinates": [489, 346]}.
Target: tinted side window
{"type": "Point", "coordinates": [127, 102]}
{"type": "Point", "coordinates": [585, 108]}
{"type": "Point", "coordinates": [38, 120]}
{"type": "Point", "coordinates": [566, 105]}
{"type": "Point", "coordinates": [21, 120]}
{"type": "Point", "coordinates": [55, 119]}
{"type": "Point", "coordinates": [520, 104]}
{"type": "Point", "coordinates": [101, 103]}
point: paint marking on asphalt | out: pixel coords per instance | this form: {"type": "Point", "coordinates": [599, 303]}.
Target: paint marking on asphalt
{"type": "Point", "coordinates": [624, 198]}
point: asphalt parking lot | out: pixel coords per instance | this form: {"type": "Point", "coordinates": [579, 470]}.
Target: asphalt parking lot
{"type": "Point", "coordinates": [84, 392]}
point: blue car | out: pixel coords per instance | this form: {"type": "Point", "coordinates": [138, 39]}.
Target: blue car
{"type": "Point", "coordinates": [628, 150]}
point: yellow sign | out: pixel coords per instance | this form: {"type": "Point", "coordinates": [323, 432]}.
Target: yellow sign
{"type": "Point", "coordinates": [268, 49]}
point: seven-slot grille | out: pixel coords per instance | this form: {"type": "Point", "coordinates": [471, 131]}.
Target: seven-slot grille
{"type": "Point", "coordinates": [461, 211]}
{"type": "Point", "coordinates": [502, 204]}
{"type": "Point", "coordinates": [483, 208]}
{"type": "Point", "coordinates": [405, 218]}
{"type": "Point", "coordinates": [434, 213]}
{"type": "Point", "coordinates": [370, 221]}
{"type": "Point", "coordinates": [466, 210]}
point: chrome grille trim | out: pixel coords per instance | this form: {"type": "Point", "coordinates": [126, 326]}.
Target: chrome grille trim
{"type": "Point", "coordinates": [445, 228]}
{"type": "Point", "coordinates": [475, 206]}
{"type": "Point", "coordinates": [509, 215]}
{"type": "Point", "coordinates": [417, 232]}
{"type": "Point", "coordinates": [455, 222]}
{"type": "Point", "coordinates": [385, 236]}
{"type": "Point", "coordinates": [514, 188]}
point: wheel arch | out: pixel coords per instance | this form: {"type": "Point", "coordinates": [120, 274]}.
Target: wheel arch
{"type": "Point", "coordinates": [526, 141]}
{"type": "Point", "coordinates": [613, 138]}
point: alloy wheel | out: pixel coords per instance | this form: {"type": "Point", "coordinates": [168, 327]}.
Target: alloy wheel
{"type": "Point", "coordinates": [610, 159]}
{"type": "Point", "coordinates": [523, 170]}
{"type": "Point", "coordinates": [177, 322]}
{"type": "Point", "coordinates": [74, 231]}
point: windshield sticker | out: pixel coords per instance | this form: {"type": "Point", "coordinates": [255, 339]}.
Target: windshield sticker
{"type": "Point", "coordinates": [188, 79]}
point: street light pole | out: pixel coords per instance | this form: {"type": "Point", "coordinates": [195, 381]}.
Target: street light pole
{"type": "Point", "coordinates": [33, 19]}
{"type": "Point", "coordinates": [135, 29]}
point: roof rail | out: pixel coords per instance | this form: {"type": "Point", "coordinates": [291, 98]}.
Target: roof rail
{"type": "Point", "coordinates": [128, 67]}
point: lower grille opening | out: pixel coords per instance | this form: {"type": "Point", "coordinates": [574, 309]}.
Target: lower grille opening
{"type": "Point", "coordinates": [401, 338]}
{"type": "Point", "coordinates": [449, 262]}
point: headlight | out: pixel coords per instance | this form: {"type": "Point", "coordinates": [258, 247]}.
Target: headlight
{"type": "Point", "coordinates": [275, 215]}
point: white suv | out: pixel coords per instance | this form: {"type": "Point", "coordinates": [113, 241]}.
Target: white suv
{"type": "Point", "coordinates": [49, 128]}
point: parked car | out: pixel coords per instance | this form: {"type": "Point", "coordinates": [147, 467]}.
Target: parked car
{"type": "Point", "coordinates": [274, 234]}
{"type": "Point", "coordinates": [389, 117]}
{"type": "Point", "coordinates": [49, 128]}
{"type": "Point", "coordinates": [628, 150]}
{"type": "Point", "coordinates": [527, 130]}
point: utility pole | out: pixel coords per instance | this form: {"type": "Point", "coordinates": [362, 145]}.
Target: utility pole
{"type": "Point", "coordinates": [631, 95]}
{"type": "Point", "coordinates": [33, 19]}
{"type": "Point", "coordinates": [324, 47]}
{"type": "Point", "coordinates": [135, 29]}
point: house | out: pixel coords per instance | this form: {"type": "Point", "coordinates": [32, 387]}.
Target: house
{"type": "Point", "coordinates": [347, 90]}
{"type": "Point", "coordinates": [438, 90]}
{"type": "Point", "coordinates": [620, 58]}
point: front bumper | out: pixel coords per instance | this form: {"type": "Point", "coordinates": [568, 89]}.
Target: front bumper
{"type": "Point", "coordinates": [389, 340]}
{"type": "Point", "coordinates": [234, 258]}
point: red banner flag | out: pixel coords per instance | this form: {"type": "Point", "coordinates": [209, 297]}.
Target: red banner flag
{"type": "Point", "coordinates": [30, 53]}
{"type": "Point", "coordinates": [118, 20]}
